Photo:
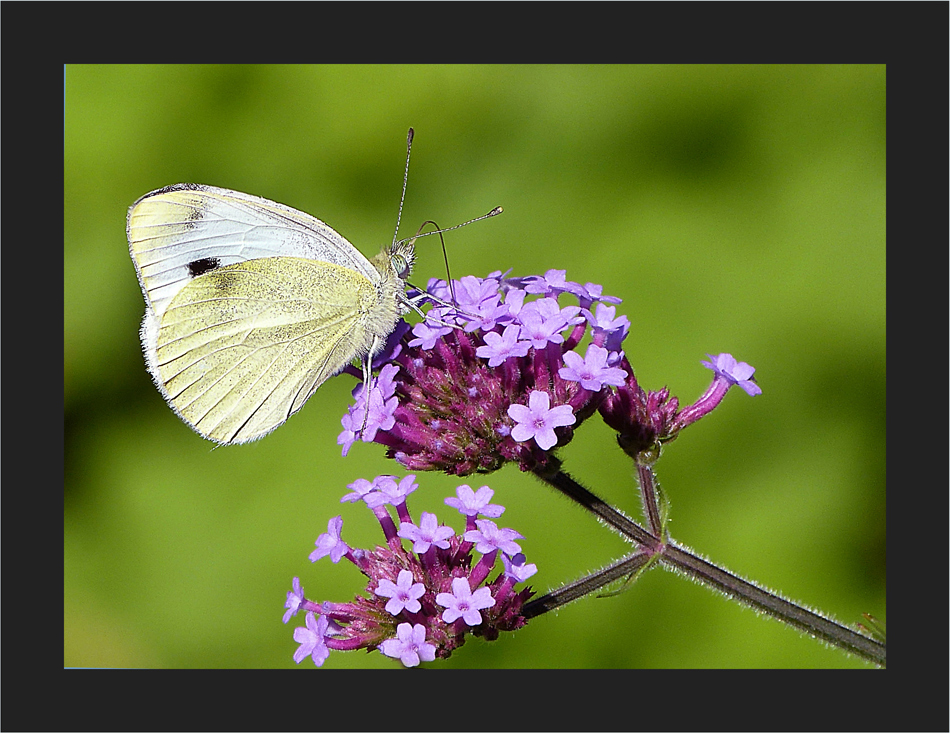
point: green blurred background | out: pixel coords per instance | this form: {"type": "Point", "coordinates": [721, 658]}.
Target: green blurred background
{"type": "Point", "coordinates": [733, 208]}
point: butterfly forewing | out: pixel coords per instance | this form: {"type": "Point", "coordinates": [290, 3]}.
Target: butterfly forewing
{"type": "Point", "coordinates": [241, 348]}
{"type": "Point", "coordinates": [173, 229]}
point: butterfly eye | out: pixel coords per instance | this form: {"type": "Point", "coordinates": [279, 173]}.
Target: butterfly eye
{"type": "Point", "coordinates": [400, 265]}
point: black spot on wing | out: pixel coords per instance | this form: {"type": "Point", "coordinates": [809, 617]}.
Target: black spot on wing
{"type": "Point", "coordinates": [200, 267]}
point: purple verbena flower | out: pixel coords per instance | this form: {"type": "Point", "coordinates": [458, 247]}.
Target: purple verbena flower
{"type": "Point", "coordinates": [391, 349]}
{"type": "Point", "coordinates": [539, 419]}
{"type": "Point", "coordinates": [480, 303]}
{"type": "Point", "coordinates": [608, 331]}
{"type": "Point", "coordinates": [393, 492]}
{"type": "Point", "coordinates": [592, 292]}
{"type": "Point", "coordinates": [473, 291]}
{"type": "Point", "coordinates": [727, 373]}
{"type": "Point", "coordinates": [463, 603]}
{"type": "Point", "coordinates": [472, 503]}
{"type": "Point", "coordinates": [410, 646]}
{"type": "Point", "coordinates": [499, 347]}
{"type": "Point", "coordinates": [553, 283]}
{"type": "Point", "coordinates": [382, 407]}
{"type": "Point", "coordinates": [294, 598]}
{"type": "Point", "coordinates": [403, 594]}
{"type": "Point", "coordinates": [311, 640]}
{"type": "Point", "coordinates": [426, 534]}
{"type": "Point", "coordinates": [514, 302]}
{"type": "Point", "coordinates": [645, 420]}
{"type": "Point", "coordinates": [517, 569]}
{"type": "Point", "coordinates": [361, 489]}
{"type": "Point", "coordinates": [439, 289]}
{"type": "Point", "coordinates": [427, 334]}
{"type": "Point", "coordinates": [330, 543]}
{"type": "Point", "coordinates": [538, 332]}
{"type": "Point", "coordinates": [592, 371]}
{"type": "Point", "coordinates": [489, 537]}
{"type": "Point", "coordinates": [734, 372]}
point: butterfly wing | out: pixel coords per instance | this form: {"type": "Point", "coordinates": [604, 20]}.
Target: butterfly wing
{"type": "Point", "coordinates": [241, 348]}
{"type": "Point", "coordinates": [180, 232]}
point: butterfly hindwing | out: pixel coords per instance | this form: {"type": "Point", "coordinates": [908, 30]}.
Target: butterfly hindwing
{"type": "Point", "coordinates": [242, 347]}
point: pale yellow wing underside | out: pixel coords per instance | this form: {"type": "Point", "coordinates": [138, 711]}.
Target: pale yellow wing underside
{"type": "Point", "coordinates": [241, 348]}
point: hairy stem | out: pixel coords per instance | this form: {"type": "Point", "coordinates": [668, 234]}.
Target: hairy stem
{"type": "Point", "coordinates": [648, 495]}
{"type": "Point", "coordinates": [564, 483]}
{"type": "Point", "coordinates": [676, 557]}
{"type": "Point", "coordinates": [586, 585]}
{"type": "Point", "coordinates": [681, 559]}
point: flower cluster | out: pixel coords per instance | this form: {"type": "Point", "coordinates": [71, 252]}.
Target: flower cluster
{"type": "Point", "coordinates": [498, 376]}
{"type": "Point", "coordinates": [420, 603]}
{"type": "Point", "coordinates": [494, 377]}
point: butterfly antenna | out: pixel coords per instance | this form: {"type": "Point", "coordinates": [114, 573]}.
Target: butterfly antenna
{"type": "Point", "coordinates": [448, 275]}
{"type": "Point", "coordinates": [445, 256]}
{"type": "Point", "coordinates": [405, 180]}
{"type": "Point", "coordinates": [494, 212]}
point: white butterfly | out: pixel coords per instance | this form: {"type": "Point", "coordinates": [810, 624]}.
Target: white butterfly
{"type": "Point", "coordinates": [251, 305]}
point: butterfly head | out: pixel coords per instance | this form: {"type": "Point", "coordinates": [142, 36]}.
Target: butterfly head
{"type": "Point", "coordinates": [401, 257]}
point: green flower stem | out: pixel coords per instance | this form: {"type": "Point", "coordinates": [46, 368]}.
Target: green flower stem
{"type": "Point", "coordinates": [680, 559]}
{"type": "Point", "coordinates": [626, 567]}
{"type": "Point", "coordinates": [648, 494]}
{"type": "Point", "coordinates": [594, 504]}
